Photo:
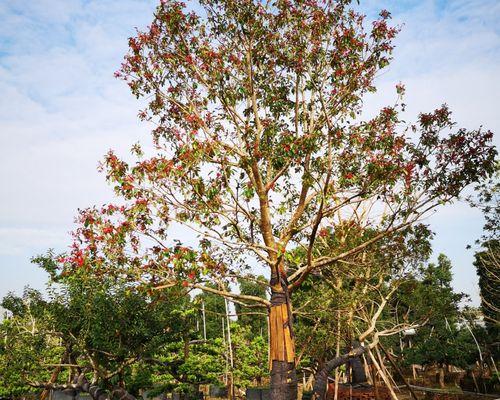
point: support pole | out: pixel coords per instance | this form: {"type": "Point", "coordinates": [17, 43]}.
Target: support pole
{"type": "Point", "coordinates": [382, 375]}
{"type": "Point", "coordinates": [204, 320]}
{"type": "Point", "coordinates": [231, 360]}
{"type": "Point", "coordinates": [398, 370]}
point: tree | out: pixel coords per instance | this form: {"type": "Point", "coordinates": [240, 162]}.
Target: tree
{"type": "Point", "coordinates": [487, 259]}
{"type": "Point", "coordinates": [487, 263]}
{"type": "Point", "coordinates": [431, 301]}
{"type": "Point", "coordinates": [24, 343]}
{"type": "Point", "coordinates": [256, 320]}
{"type": "Point", "coordinates": [259, 144]}
{"type": "Point", "coordinates": [214, 308]}
{"type": "Point", "coordinates": [103, 333]}
{"type": "Point", "coordinates": [250, 355]}
{"type": "Point", "coordinates": [343, 302]}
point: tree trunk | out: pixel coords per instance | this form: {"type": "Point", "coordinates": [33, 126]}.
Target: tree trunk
{"type": "Point", "coordinates": [441, 376]}
{"type": "Point", "coordinates": [321, 384]}
{"type": "Point", "coordinates": [55, 375]}
{"type": "Point", "coordinates": [357, 370]}
{"type": "Point", "coordinates": [281, 343]}
{"type": "Point", "coordinates": [81, 384]}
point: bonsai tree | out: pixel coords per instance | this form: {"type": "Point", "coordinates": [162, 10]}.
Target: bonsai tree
{"type": "Point", "coordinates": [101, 334]}
{"type": "Point", "coordinates": [259, 146]}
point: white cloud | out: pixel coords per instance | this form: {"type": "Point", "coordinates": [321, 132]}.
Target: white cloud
{"type": "Point", "coordinates": [19, 241]}
{"type": "Point", "coordinates": [60, 112]}
{"type": "Point", "coordinates": [450, 54]}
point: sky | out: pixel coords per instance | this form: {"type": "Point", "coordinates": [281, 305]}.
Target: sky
{"type": "Point", "coordinates": [61, 110]}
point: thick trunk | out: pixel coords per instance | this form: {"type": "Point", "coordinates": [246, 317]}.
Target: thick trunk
{"type": "Point", "coordinates": [320, 386]}
{"type": "Point", "coordinates": [97, 393]}
{"type": "Point", "coordinates": [281, 345]}
{"type": "Point", "coordinates": [81, 384]}
{"type": "Point", "coordinates": [53, 378]}
{"type": "Point", "coordinates": [355, 368]}
{"type": "Point", "coordinates": [357, 373]}
{"type": "Point", "coordinates": [283, 381]}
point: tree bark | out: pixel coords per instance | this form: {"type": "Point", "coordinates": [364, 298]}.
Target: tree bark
{"type": "Point", "coordinates": [81, 384]}
{"type": "Point", "coordinates": [356, 371]}
{"type": "Point", "coordinates": [281, 343]}
{"type": "Point", "coordinates": [320, 386]}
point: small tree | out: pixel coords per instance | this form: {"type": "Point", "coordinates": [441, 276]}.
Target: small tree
{"type": "Point", "coordinates": [250, 355]}
{"type": "Point", "coordinates": [24, 343]}
{"type": "Point", "coordinates": [343, 302]}
{"type": "Point", "coordinates": [259, 140]}
{"type": "Point", "coordinates": [487, 263]}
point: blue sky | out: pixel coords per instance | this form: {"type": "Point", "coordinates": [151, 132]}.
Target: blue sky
{"type": "Point", "coordinates": [61, 110]}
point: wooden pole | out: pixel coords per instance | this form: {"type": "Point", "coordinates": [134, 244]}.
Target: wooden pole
{"type": "Point", "coordinates": [337, 353]}
{"type": "Point", "coordinates": [230, 349]}
{"type": "Point", "coordinates": [225, 350]}
{"type": "Point", "coordinates": [382, 365]}
{"type": "Point", "coordinates": [398, 370]}
{"type": "Point", "coordinates": [204, 320]}
{"type": "Point", "coordinates": [481, 369]}
{"type": "Point", "coordinates": [382, 375]}
{"type": "Point", "coordinates": [373, 374]}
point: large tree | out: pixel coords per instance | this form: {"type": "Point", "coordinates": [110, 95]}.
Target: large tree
{"type": "Point", "coordinates": [260, 147]}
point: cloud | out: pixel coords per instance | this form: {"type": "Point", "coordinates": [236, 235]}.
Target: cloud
{"type": "Point", "coordinates": [61, 110]}
{"type": "Point", "coordinates": [17, 241]}
{"type": "Point", "coordinates": [448, 52]}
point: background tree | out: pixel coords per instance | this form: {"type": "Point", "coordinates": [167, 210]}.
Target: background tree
{"type": "Point", "coordinates": [106, 332]}
{"type": "Point", "coordinates": [487, 199]}
{"type": "Point", "coordinates": [487, 263]}
{"type": "Point", "coordinates": [431, 300]}
{"type": "Point", "coordinates": [250, 354]}
{"type": "Point", "coordinates": [255, 319]}
{"type": "Point", "coordinates": [260, 145]}
{"type": "Point", "coordinates": [25, 344]}
{"type": "Point", "coordinates": [215, 311]}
